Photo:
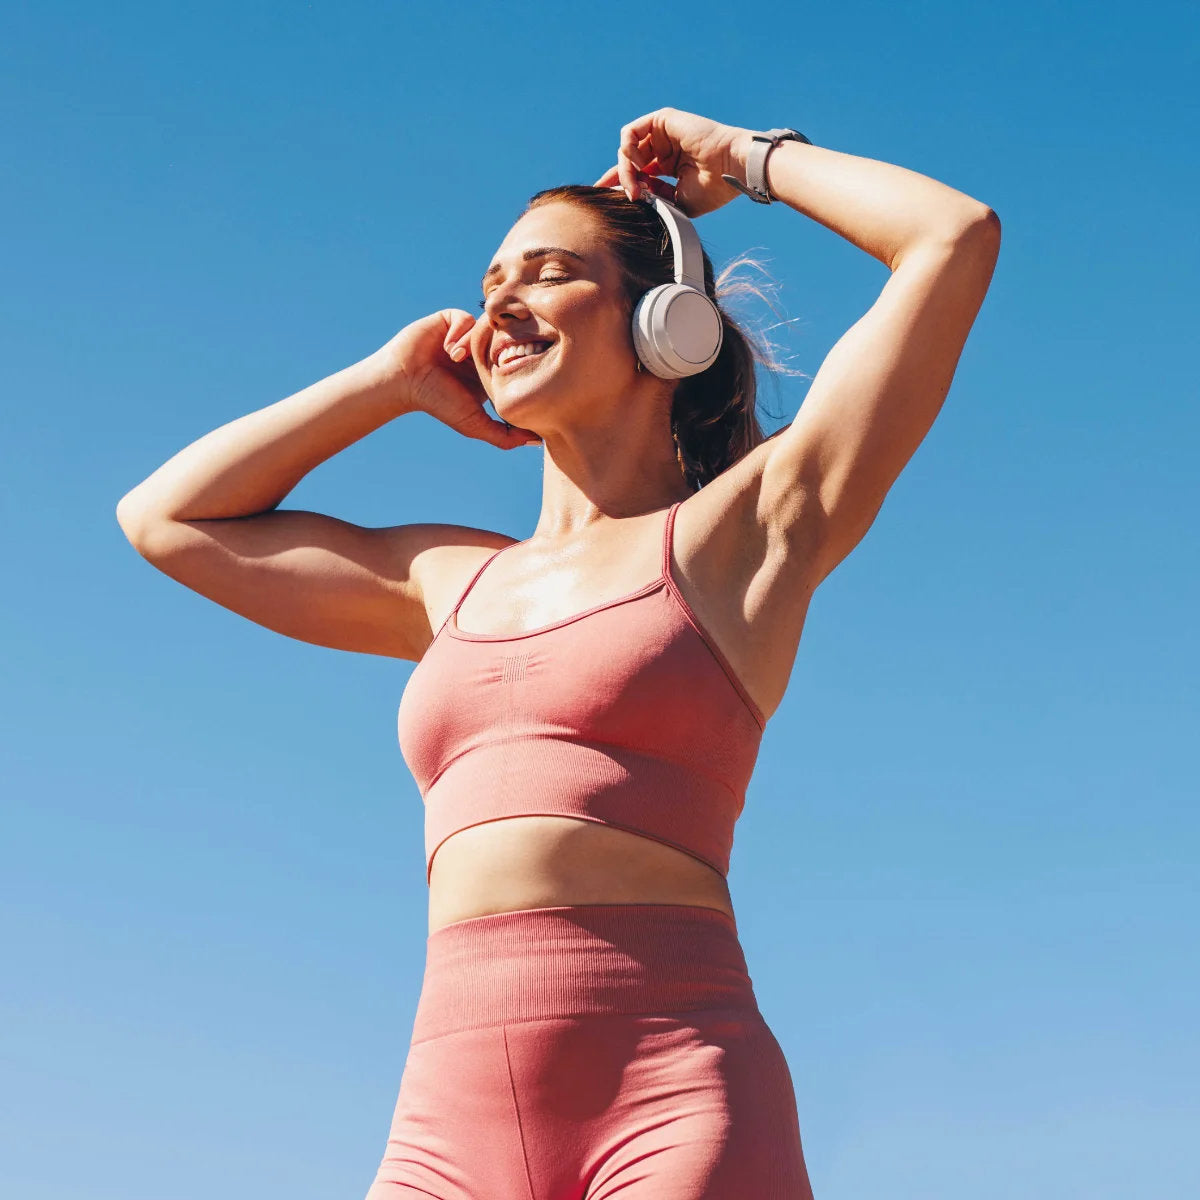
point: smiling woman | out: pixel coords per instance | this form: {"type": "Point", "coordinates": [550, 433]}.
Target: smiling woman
{"type": "Point", "coordinates": [588, 703]}
{"type": "Point", "coordinates": [625, 250]}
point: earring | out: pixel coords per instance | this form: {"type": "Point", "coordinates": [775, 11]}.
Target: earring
{"type": "Point", "coordinates": [641, 370]}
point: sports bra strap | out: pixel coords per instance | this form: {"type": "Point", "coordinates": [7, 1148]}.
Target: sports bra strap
{"type": "Point", "coordinates": [474, 579]}
{"type": "Point", "coordinates": [668, 535]}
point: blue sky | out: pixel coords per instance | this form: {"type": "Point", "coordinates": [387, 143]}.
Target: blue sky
{"type": "Point", "coordinates": [966, 872]}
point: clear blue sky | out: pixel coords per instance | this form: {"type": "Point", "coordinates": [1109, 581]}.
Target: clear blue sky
{"type": "Point", "coordinates": [966, 872]}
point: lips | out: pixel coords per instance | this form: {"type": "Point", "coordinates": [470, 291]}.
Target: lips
{"type": "Point", "coordinates": [516, 354]}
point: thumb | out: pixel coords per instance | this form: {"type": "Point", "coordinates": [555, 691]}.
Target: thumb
{"type": "Point", "coordinates": [476, 423]}
{"type": "Point", "coordinates": [504, 435]}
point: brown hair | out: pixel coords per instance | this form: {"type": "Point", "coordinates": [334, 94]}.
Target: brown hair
{"type": "Point", "coordinates": [713, 415]}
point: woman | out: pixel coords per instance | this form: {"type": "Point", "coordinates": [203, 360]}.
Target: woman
{"type": "Point", "coordinates": [581, 737]}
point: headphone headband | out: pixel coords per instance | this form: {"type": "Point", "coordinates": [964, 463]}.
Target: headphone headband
{"type": "Point", "coordinates": [685, 243]}
{"type": "Point", "coordinates": [677, 328]}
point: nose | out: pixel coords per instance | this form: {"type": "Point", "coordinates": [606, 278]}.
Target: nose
{"type": "Point", "coordinates": [505, 301]}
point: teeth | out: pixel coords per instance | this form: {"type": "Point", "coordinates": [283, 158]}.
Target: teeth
{"type": "Point", "coordinates": [520, 350]}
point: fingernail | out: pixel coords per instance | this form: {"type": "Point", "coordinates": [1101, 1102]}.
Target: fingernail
{"type": "Point", "coordinates": [458, 353]}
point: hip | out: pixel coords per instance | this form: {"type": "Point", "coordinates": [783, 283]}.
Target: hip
{"type": "Point", "coordinates": [536, 964]}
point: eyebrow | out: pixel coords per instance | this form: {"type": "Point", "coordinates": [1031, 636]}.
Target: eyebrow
{"type": "Point", "coordinates": [536, 252]}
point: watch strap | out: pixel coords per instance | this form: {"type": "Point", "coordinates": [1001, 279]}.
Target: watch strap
{"type": "Point", "coordinates": [761, 145]}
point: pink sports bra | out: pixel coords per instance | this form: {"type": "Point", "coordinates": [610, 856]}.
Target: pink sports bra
{"type": "Point", "coordinates": [626, 714]}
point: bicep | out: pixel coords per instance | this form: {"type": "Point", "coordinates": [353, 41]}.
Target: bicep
{"type": "Point", "coordinates": [879, 391]}
{"type": "Point", "coordinates": [306, 575]}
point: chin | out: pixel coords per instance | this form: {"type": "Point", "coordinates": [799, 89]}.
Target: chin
{"type": "Point", "coordinates": [513, 398]}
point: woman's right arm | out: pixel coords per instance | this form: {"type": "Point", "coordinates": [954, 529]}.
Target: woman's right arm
{"type": "Point", "coordinates": [209, 517]}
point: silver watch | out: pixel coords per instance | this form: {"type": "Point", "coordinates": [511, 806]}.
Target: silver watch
{"type": "Point", "coordinates": [761, 144]}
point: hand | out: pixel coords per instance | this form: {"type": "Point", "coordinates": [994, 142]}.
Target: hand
{"type": "Point", "coordinates": [695, 150]}
{"type": "Point", "coordinates": [431, 362]}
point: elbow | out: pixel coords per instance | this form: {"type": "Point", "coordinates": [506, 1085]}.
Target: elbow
{"type": "Point", "coordinates": [974, 222]}
{"type": "Point", "coordinates": [125, 510]}
{"type": "Point", "coordinates": [975, 229]}
{"type": "Point", "coordinates": [125, 514]}
{"type": "Point", "coordinates": [133, 520]}
{"type": "Point", "coordinates": [977, 239]}
{"type": "Point", "coordinates": [154, 536]}
{"type": "Point", "coordinates": [984, 224]}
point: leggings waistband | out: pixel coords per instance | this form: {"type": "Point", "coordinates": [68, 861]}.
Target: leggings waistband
{"type": "Point", "coordinates": [580, 960]}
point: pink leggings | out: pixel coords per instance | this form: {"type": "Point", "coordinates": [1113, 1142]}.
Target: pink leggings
{"type": "Point", "coordinates": [592, 1052]}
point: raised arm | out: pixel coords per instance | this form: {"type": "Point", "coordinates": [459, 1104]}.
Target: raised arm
{"type": "Point", "coordinates": [209, 516]}
{"type": "Point", "coordinates": [883, 383]}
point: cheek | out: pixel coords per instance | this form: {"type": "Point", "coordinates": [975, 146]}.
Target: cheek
{"type": "Point", "coordinates": [599, 326]}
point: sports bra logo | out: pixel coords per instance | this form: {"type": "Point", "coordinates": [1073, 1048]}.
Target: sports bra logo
{"type": "Point", "coordinates": [514, 668]}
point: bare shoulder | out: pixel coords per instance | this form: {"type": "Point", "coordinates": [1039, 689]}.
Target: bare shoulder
{"type": "Point", "coordinates": [441, 564]}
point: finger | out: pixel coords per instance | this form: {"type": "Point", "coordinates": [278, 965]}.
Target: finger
{"type": "Point", "coordinates": [630, 155]}
{"type": "Point", "coordinates": [527, 437]}
{"type": "Point", "coordinates": [461, 325]}
{"type": "Point", "coordinates": [478, 336]}
{"type": "Point", "coordinates": [459, 331]}
{"type": "Point", "coordinates": [453, 319]}
{"type": "Point", "coordinates": [610, 178]}
{"type": "Point", "coordinates": [646, 152]}
{"type": "Point", "coordinates": [660, 187]}
{"type": "Point", "coordinates": [664, 150]}
{"type": "Point", "coordinates": [506, 437]}
{"type": "Point", "coordinates": [498, 433]}
{"type": "Point", "coordinates": [632, 136]}
{"type": "Point", "coordinates": [650, 182]}
{"type": "Point", "coordinates": [625, 173]}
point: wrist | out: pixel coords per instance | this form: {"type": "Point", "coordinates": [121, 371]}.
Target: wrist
{"type": "Point", "coordinates": [737, 147]}
{"type": "Point", "coordinates": [755, 150]}
{"type": "Point", "coordinates": [382, 373]}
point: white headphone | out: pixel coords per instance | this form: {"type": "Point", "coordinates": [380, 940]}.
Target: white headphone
{"type": "Point", "coordinates": [677, 329]}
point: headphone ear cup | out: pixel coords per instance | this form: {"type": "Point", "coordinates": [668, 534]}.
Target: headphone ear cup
{"type": "Point", "coordinates": [677, 331]}
{"type": "Point", "coordinates": [643, 336]}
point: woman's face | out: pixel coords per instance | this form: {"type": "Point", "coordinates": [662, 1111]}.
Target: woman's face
{"type": "Point", "coordinates": [555, 332]}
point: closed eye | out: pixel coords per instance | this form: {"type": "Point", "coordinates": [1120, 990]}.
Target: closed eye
{"type": "Point", "coordinates": [543, 279]}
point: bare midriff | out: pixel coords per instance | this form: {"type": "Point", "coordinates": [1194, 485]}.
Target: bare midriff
{"type": "Point", "coordinates": [551, 861]}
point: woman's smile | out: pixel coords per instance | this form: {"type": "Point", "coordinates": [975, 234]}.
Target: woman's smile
{"type": "Point", "coordinates": [521, 355]}
{"type": "Point", "coordinates": [555, 319]}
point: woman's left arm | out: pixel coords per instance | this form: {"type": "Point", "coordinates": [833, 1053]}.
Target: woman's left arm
{"type": "Point", "coordinates": [883, 383]}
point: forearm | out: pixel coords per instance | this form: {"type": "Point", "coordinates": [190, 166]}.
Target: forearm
{"type": "Point", "coordinates": [879, 207]}
{"type": "Point", "coordinates": [250, 464]}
